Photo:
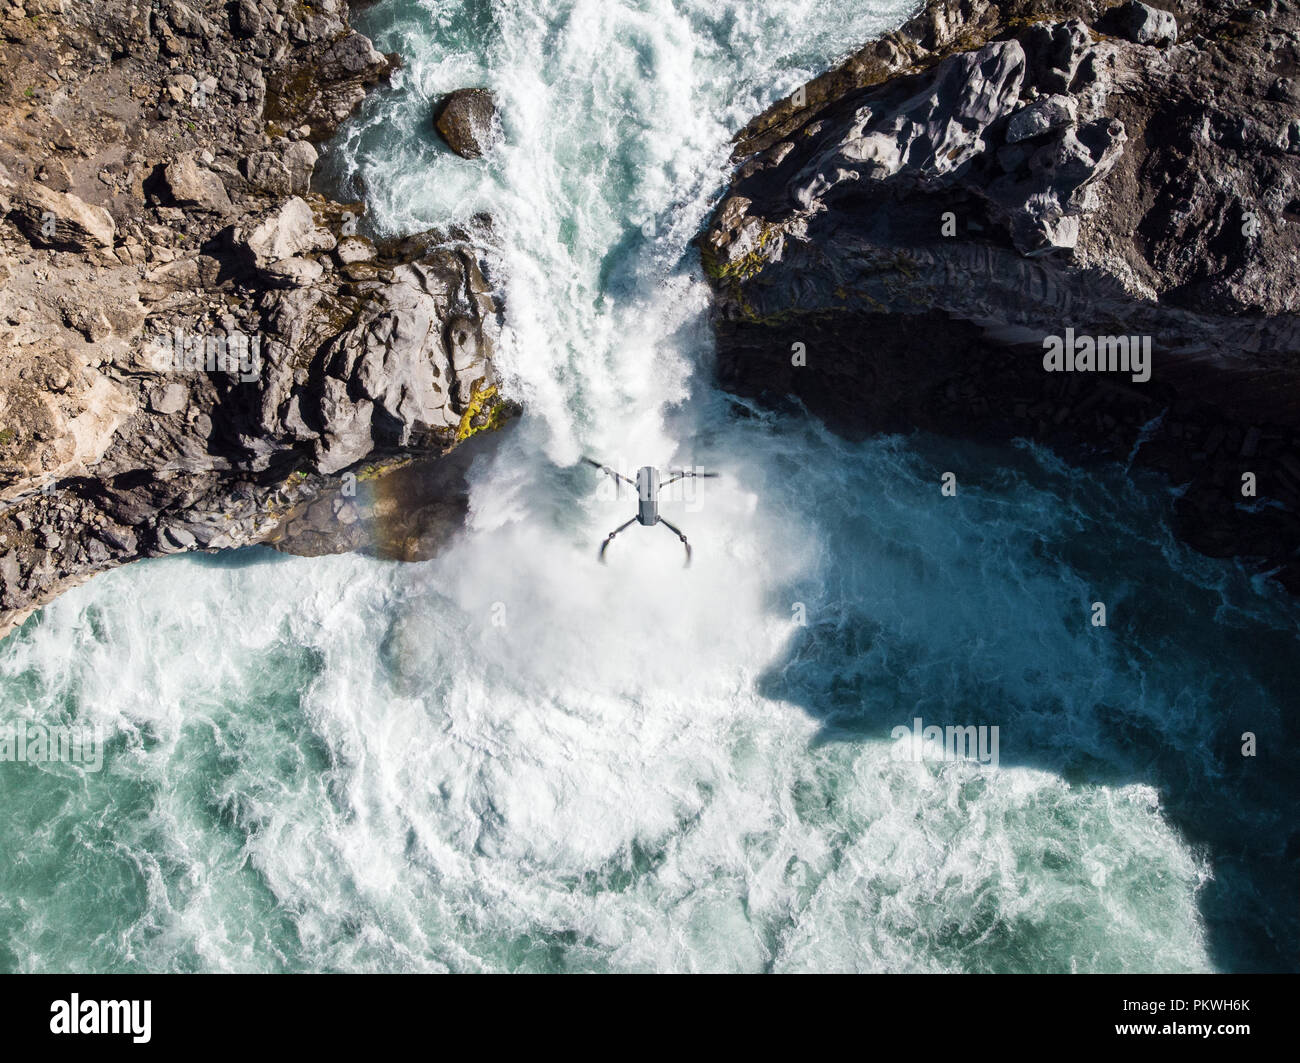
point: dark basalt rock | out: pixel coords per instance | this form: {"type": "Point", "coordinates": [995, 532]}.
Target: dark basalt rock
{"type": "Point", "coordinates": [998, 172]}
{"type": "Point", "coordinates": [465, 120]}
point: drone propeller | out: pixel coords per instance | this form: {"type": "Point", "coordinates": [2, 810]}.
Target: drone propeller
{"type": "Point", "coordinates": [606, 469]}
{"type": "Point", "coordinates": [682, 474]}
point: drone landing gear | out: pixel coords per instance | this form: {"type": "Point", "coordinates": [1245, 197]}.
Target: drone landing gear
{"type": "Point", "coordinates": [671, 527]}
{"type": "Point", "coordinates": [678, 532]}
{"type": "Point", "coordinates": [610, 538]}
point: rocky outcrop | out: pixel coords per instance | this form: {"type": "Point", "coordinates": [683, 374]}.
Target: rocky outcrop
{"type": "Point", "coordinates": [465, 119]}
{"type": "Point", "coordinates": [198, 348]}
{"type": "Point", "coordinates": [930, 225]}
{"type": "Point", "coordinates": [1141, 23]}
{"type": "Point", "coordinates": [56, 220]}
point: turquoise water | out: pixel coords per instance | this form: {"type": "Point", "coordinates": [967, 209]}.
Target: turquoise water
{"type": "Point", "coordinates": [510, 758]}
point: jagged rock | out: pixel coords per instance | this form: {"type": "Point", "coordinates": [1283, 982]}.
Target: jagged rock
{"type": "Point", "coordinates": [394, 359]}
{"type": "Point", "coordinates": [266, 170]}
{"type": "Point", "coordinates": [352, 249]}
{"type": "Point", "coordinates": [283, 171]}
{"type": "Point", "coordinates": [991, 199]}
{"type": "Point", "coordinates": [248, 19]}
{"type": "Point", "coordinates": [464, 119]}
{"type": "Point", "coordinates": [109, 453]}
{"type": "Point", "coordinates": [192, 185]}
{"type": "Point", "coordinates": [169, 399]}
{"type": "Point", "coordinates": [60, 219]}
{"type": "Point", "coordinates": [289, 231]}
{"type": "Point", "coordinates": [346, 437]}
{"type": "Point", "coordinates": [184, 19]}
{"type": "Point", "coordinates": [1044, 115]}
{"type": "Point", "coordinates": [176, 539]}
{"type": "Point", "coordinates": [299, 160]}
{"type": "Point", "coordinates": [1143, 24]}
{"type": "Point", "coordinates": [293, 272]}
{"type": "Point", "coordinates": [960, 126]}
{"type": "Point", "coordinates": [326, 84]}
{"type": "Point", "coordinates": [1042, 200]}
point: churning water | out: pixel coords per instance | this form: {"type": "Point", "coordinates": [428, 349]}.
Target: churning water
{"type": "Point", "coordinates": [512, 758]}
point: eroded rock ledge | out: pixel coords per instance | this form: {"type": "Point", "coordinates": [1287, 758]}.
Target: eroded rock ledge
{"type": "Point", "coordinates": [195, 347]}
{"type": "Point", "coordinates": [923, 217]}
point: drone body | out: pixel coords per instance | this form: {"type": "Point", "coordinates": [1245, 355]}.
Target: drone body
{"type": "Point", "coordinates": [647, 486]}
{"type": "Point", "coordinates": [647, 493]}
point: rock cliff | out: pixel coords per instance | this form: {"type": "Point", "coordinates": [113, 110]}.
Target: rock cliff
{"type": "Point", "coordinates": [981, 224]}
{"type": "Point", "coordinates": [196, 347]}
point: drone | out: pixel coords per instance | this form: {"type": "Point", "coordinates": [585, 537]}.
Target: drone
{"type": "Point", "coordinates": [648, 485]}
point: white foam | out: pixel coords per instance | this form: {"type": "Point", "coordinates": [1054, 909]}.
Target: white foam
{"type": "Point", "coordinates": [513, 757]}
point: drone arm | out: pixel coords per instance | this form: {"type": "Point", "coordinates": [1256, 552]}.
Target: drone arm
{"type": "Point", "coordinates": [684, 475]}
{"type": "Point", "coordinates": [607, 469]}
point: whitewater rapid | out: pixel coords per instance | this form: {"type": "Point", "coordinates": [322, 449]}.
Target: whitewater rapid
{"type": "Point", "coordinates": [512, 758]}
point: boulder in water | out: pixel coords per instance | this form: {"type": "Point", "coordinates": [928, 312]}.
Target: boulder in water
{"type": "Point", "coordinates": [464, 120]}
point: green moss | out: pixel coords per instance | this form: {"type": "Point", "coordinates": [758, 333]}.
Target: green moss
{"type": "Point", "coordinates": [6, 436]}
{"type": "Point", "coordinates": [905, 264]}
{"type": "Point", "coordinates": [733, 275]}
{"type": "Point", "coordinates": [744, 268]}
{"type": "Point", "coordinates": [378, 469]}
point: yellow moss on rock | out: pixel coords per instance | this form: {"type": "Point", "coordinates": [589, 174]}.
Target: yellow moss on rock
{"type": "Point", "coordinates": [479, 399]}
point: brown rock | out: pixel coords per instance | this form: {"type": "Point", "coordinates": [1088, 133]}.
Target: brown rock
{"type": "Point", "coordinates": [464, 119]}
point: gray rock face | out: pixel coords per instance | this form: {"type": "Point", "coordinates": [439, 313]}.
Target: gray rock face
{"type": "Point", "coordinates": [249, 19]}
{"type": "Point", "coordinates": [192, 185]}
{"type": "Point", "coordinates": [990, 199]}
{"type": "Point", "coordinates": [293, 272]}
{"type": "Point", "coordinates": [962, 128]}
{"type": "Point", "coordinates": [327, 80]}
{"type": "Point", "coordinates": [190, 362]}
{"type": "Point", "coordinates": [284, 170]}
{"type": "Point", "coordinates": [405, 379]}
{"type": "Point", "coordinates": [291, 230]}
{"type": "Point", "coordinates": [464, 119]}
{"type": "Point", "coordinates": [1041, 190]}
{"type": "Point", "coordinates": [299, 159]}
{"type": "Point", "coordinates": [1045, 115]}
{"type": "Point", "coordinates": [169, 399]}
{"type": "Point", "coordinates": [267, 172]}
{"type": "Point", "coordinates": [353, 249]}
{"type": "Point", "coordinates": [1143, 24]}
{"type": "Point", "coordinates": [929, 138]}
{"type": "Point", "coordinates": [59, 220]}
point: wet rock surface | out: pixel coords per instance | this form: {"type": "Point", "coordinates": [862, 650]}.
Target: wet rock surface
{"type": "Point", "coordinates": [923, 219]}
{"type": "Point", "coordinates": [197, 345]}
{"type": "Point", "coordinates": [465, 119]}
